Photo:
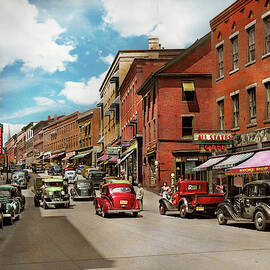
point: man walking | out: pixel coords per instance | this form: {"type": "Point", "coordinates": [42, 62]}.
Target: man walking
{"type": "Point", "coordinates": [140, 193]}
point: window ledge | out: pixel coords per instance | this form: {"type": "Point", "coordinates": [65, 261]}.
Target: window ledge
{"type": "Point", "coordinates": [235, 129]}
{"type": "Point", "coordinates": [187, 138]}
{"type": "Point", "coordinates": [233, 71]}
{"type": "Point", "coordinates": [252, 125]}
{"type": "Point", "coordinates": [220, 78]}
{"type": "Point", "coordinates": [266, 55]}
{"type": "Point", "coordinates": [250, 63]}
{"type": "Point", "coordinates": [266, 121]}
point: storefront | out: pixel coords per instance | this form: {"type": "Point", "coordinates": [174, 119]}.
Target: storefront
{"type": "Point", "coordinates": [57, 157]}
{"type": "Point", "coordinates": [84, 158]}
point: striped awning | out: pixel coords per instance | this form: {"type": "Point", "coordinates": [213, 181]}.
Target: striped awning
{"type": "Point", "coordinates": [232, 161]}
{"type": "Point", "coordinates": [208, 164]}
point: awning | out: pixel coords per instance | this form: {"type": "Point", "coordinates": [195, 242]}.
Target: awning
{"type": "Point", "coordinates": [57, 155]}
{"type": "Point", "coordinates": [112, 160]}
{"type": "Point", "coordinates": [101, 140]}
{"type": "Point", "coordinates": [209, 163]}
{"type": "Point", "coordinates": [259, 163]}
{"type": "Point", "coordinates": [82, 155]}
{"type": "Point", "coordinates": [188, 86]}
{"type": "Point", "coordinates": [232, 161]}
{"type": "Point", "coordinates": [103, 158]}
{"type": "Point", "coordinates": [126, 156]}
{"type": "Point", "coordinates": [115, 103]}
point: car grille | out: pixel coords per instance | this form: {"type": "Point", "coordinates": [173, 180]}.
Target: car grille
{"type": "Point", "coordinates": [57, 194]}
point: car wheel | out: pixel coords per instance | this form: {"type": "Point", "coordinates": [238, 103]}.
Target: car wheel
{"type": "Point", "coordinates": [162, 209]}
{"type": "Point", "coordinates": [45, 205]}
{"type": "Point", "coordinates": [68, 205]}
{"type": "Point", "coordinates": [260, 221]}
{"type": "Point", "coordinates": [103, 214]}
{"type": "Point", "coordinates": [183, 211]}
{"type": "Point", "coordinates": [221, 218]}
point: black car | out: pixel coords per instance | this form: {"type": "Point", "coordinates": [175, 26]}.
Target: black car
{"type": "Point", "coordinates": [96, 178]}
{"type": "Point", "coordinates": [82, 189]}
{"type": "Point", "coordinates": [55, 170]}
{"type": "Point", "coordinates": [18, 194]}
{"type": "Point", "coordinates": [252, 204]}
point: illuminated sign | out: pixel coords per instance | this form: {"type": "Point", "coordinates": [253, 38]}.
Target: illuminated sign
{"type": "Point", "coordinates": [213, 148]}
{"type": "Point", "coordinates": [212, 138]}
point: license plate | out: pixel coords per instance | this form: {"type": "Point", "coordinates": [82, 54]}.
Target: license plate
{"type": "Point", "coordinates": [123, 202]}
{"type": "Point", "coordinates": [199, 208]}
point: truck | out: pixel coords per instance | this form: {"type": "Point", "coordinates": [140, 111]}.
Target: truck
{"type": "Point", "coordinates": [190, 197]}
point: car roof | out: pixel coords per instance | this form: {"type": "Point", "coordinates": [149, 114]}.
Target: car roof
{"type": "Point", "coordinates": [118, 184]}
{"type": "Point", "coordinates": [259, 182]}
{"type": "Point", "coordinates": [6, 187]}
{"type": "Point", "coordinates": [48, 180]}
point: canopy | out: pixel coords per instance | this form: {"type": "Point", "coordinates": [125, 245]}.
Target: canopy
{"type": "Point", "coordinates": [57, 155]}
{"type": "Point", "coordinates": [103, 158]}
{"type": "Point", "coordinates": [112, 160]}
{"type": "Point", "coordinates": [209, 163]}
{"type": "Point", "coordinates": [126, 156]}
{"type": "Point", "coordinates": [259, 163]}
{"type": "Point", "coordinates": [232, 161]}
{"type": "Point", "coordinates": [82, 155]}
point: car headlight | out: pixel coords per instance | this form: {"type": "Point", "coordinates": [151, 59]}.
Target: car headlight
{"type": "Point", "coordinates": [50, 193]}
{"type": "Point", "coordinates": [63, 192]}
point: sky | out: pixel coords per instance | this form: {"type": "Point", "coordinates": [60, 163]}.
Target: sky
{"type": "Point", "coordinates": [54, 54]}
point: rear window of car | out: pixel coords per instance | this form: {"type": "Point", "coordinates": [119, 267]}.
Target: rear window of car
{"type": "Point", "coordinates": [194, 187]}
{"type": "Point", "coordinates": [121, 190]}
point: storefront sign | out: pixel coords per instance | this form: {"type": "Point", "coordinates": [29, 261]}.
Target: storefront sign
{"type": "Point", "coordinates": [212, 138]}
{"type": "Point", "coordinates": [151, 149]}
{"type": "Point", "coordinates": [251, 170]}
{"type": "Point", "coordinates": [125, 144]}
{"type": "Point", "coordinates": [213, 148]}
{"type": "Point", "coordinates": [1, 140]}
{"type": "Point", "coordinates": [113, 150]}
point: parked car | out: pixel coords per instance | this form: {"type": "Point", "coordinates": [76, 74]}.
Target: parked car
{"type": "Point", "coordinates": [70, 176]}
{"type": "Point", "coordinates": [82, 189]}
{"type": "Point", "coordinates": [37, 191]}
{"type": "Point", "coordinates": [20, 196]}
{"type": "Point", "coordinates": [54, 193]}
{"type": "Point", "coordinates": [10, 204]}
{"type": "Point", "coordinates": [96, 178]}
{"type": "Point", "coordinates": [117, 198]}
{"type": "Point", "coordinates": [19, 178]}
{"type": "Point", "coordinates": [38, 168]}
{"type": "Point", "coordinates": [252, 204]}
{"type": "Point", "coordinates": [55, 170]}
{"type": "Point", "coordinates": [1, 217]}
{"type": "Point", "coordinates": [191, 197]}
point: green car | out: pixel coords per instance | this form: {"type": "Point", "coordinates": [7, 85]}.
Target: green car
{"type": "Point", "coordinates": [54, 193]}
{"type": "Point", "coordinates": [10, 204]}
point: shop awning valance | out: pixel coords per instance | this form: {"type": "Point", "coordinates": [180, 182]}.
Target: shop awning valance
{"type": "Point", "coordinates": [208, 164]}
{"type": "Point", "coordinates": [259, 163]}
{"type": "Point", "coordinates": [103, 158]}
{"type": "Point", "coordinates": [232, 161]}
{"type": "Point", "coordinates": [82, 155]}
{"type": "Point", "coordinates": [57, 155]}
{"type": "Point", "coordinates": [126, 156]}
{"type": "Point", "coordinates": [101, 140]}
{"type": "Point", "coordinates": [112, 160]}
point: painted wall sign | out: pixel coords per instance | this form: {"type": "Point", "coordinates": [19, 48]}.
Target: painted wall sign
{"type": "Point", "coordinates": [218, 138]}
{"type": "Point", "coordinates": [213, 148]}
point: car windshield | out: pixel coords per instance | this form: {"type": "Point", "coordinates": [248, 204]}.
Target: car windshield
{"type": "Point", "coordinates": [18, 175]}
{"type": "Point", "coordinates": [83, 184]}
{"type": "Point", "coordinates": [121, 190]}
{"type": "Point", "coordinates": [4, 193]}
{"type": "Point", "coordinates": [194, 187]}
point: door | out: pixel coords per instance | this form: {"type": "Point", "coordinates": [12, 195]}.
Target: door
{"type": "Point", "coordinates": [249, 201]}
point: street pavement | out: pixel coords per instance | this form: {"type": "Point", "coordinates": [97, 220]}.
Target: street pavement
{"type": "Point", "coordinates": [77, 238]}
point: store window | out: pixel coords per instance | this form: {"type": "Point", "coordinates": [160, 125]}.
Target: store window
{"type": "Point", "coordinates": [235, 103]}
{"type": "Point", "coordinates": [252, 104]}
{"type": "Point", "coordinates": [251, 43]}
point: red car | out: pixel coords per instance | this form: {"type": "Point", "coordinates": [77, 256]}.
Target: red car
{"type": "Point", "coordinates": [117, 198]}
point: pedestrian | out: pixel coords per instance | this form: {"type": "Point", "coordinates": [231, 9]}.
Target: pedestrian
{"type": "Point", "coordinates": [139, 195]}
{"type": "Point", "coordinates": [165, 190]}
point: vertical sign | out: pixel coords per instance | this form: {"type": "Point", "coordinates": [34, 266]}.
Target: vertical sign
{"type": "Point", "coordinates": [1, 140]}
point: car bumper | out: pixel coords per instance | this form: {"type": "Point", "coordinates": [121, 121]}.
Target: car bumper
{"type": "Point", "coordinates": [83, 197]}
{"type": "Point", "coordinates": [57, 203]}
{"type": "Point", "coordinates": [118, 211]}
{"type": "Point", "coordinates": [7, 216]}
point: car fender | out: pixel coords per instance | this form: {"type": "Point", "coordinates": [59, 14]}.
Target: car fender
{"type": "Point", "coordinates": [168, 205]}
{"type": "Point", "coordinates": [97, 202]}
{"type": "Point", "coordinates": [227, 209]}
{"type": "Point", "coordinates": [183, 201]}
{"type": "Point", "coordinates": [263, 207]}
{"type": "Point", "coordinates": [106, 206]}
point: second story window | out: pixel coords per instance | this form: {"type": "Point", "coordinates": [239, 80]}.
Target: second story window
{"type": "Point", "coordinates": [235, 53]}
{"type": "Point", "coordinates": [221, 114]}
{"type": "Point", "coordinates": [188, 91]}
{"type": "Point", "coordinates": [220, 58]}
{"type": "Point", "coordinates": [252, 103]}
{"type": "Point", "coordinates": [235, 101]}
{"type": "Point", "coordinates": [187, 126]}
{"type": "Point", "coordinates": [267, 34]}
{"type": "Point", "coordinates": [267, 89]}
{"type": "Point", "coordinates": [251, 43]}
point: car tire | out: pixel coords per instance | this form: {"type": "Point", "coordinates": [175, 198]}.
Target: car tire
{"type": "Point", "coordinates": [260, 221]}
{"type": "Point", "coordinates": [45, 205]}
{"type": "Point", "coordinates": [103, 214]}
{"type": "Point", "coordinates": [221, 218]}
{"type": "Point", "coordinates": [162, 209]}
{"type": "Point", "coordinates": [183, 211]}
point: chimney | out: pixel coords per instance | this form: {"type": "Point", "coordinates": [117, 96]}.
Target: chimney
{"type": "Point", "coordinates": [49, 117]}
{"type": "Point", "coordinates": [153, 43]}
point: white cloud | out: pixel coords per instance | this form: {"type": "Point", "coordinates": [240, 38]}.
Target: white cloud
{"type": "Point", "coordinates": [83, 93]}
{"type": "Point", "coordinates": [24, 38]}
{"type": "Point", "coordinates": [107, 59]}
{"type": "Point", "coordinates": [176, 22]}
{"type": "Point", "coordinates": [14, 129]}
{"type": "Point", "coordinates": [42, 104]}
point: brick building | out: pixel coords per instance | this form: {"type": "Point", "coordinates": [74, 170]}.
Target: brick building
{"type": "Point", "coordinates": [21, 146]}
{"type": "Point", "coordinates": [89, 127]}
{"type": "Point", "coordinates": [131, 116]}
{"type": "Point", "coordinates": [177, 100]}
{"type": "Point", "coordinates": [29, 143]}
{"type": "Point", "coordinates": [241, 76]}
{"type": "Point", "coordinates": [11, 149]}
{"type": "Point", "coordinates": [61, 138]}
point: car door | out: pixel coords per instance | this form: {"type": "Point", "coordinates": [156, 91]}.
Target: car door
{"type": "Point", "coordinates": [249, 201]}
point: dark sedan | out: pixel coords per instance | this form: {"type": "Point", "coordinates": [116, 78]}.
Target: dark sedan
{"type": "Point", "coordinates": [82, 189]}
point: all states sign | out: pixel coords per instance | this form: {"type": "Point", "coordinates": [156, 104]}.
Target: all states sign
{"type": "Point", "coordinates": [213, 141]}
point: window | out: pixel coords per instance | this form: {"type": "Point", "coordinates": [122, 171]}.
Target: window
{"type": "Point", "coordinates": [235, 101]}
{"type": "Point", "coordinates": [251, 43]}
{"type": "Point", "coordinates": [187, 126]}
{"type": "Point", "coordinates": [252, 103]}
{"type": "Point", "coordinates": [188, 91]}
{"type": "Point", "coordinates": [267, 89]}
{"type": "Point", "coordinates": [221, 114]}
{"type": "Point", "coordinates": [220, 53]}
{"type": "Point", "coordinates": [235, 54]}
{"type": "Point", "coordinates": [267, 34]}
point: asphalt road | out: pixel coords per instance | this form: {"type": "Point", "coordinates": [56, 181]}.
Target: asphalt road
{"type": "Point", "coordinates": [76, 238]}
